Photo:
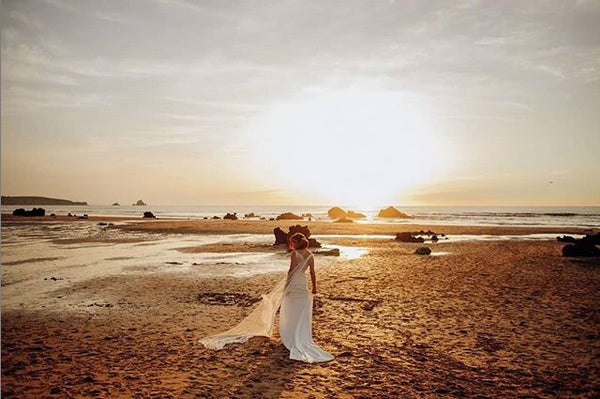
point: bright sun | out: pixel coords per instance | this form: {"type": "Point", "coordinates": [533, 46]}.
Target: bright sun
{"type": "Point", "coordinates": [355, 147]}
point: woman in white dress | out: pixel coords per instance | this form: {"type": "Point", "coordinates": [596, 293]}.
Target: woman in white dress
{"type": "Point", "coordinates": [295, 316]}
{"type": "Point", "coordinates": [295, 321]}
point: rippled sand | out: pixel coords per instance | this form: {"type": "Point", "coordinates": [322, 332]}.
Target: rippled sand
{"type": "Point", "coordinates": [509, 318]}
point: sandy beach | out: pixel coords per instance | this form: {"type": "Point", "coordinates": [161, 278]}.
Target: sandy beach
{"type": "Point", "coordinates": [491, 318]}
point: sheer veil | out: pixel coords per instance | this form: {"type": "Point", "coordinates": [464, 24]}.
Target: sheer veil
{"type": "Point", "coordinates": [260, 321]}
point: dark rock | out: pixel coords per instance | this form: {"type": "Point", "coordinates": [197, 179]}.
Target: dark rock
{"type": "Point", "coordinates": [52, 215]}
{"type": "Point", "coordinates": [585, 246]}
{"type": "Point", "coordinates": [434, 238]}
{"type": "Point", "coordinates": [337, 213]}
{"type": "Point", "coordinates": [391, 212]}
{"type": "Point", "coordinates": [84, 216]}
{"type": "Point", "coordinates": [149, 215]}
{"type": "Point", "coordinates": [313, 243]}
{"type": "Point", "coordinates": [139, 203]}
{"type": "Point", "coordinates": [565, 238]}
{"type": "Point", "coordinates": [592, 238]}
{"type": "Point", "coordinates": [31, 213]}
{"type": "Point", "coordinates": [251, 215]}
{"type": "Point", "coordinates": [289, 216]}
{"type": "Point", "coordinates": [408, 237]}
{"type": "Point", "coordinates": [216, 217]}
{"type": "Point", "coordinates": [281, 237]}
{"type": "Point", "coordinates": [231, 216]}
{"type": "Point", "coordinates": [423, 251]}
{"type": "Point", "coordinates": [116, 204]}
{"type": "Point", "coordinates": [102, 224]}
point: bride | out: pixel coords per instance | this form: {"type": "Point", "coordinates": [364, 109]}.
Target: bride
{"type": "Point", "coordinates": [295, 320]}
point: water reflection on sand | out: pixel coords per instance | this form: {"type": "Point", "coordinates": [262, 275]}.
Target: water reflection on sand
{"type": "Point", "coordinates": [41, 258]}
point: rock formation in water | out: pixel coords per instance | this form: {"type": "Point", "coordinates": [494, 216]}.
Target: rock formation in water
{"type": "Point", "coordinates": [289, 216]}
{"type": "Point", "coordinates": [33, 212]}
{"type": "Point", "coordinates": [391, 212]}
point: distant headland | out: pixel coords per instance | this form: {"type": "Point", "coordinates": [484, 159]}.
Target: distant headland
{"type": "Point", "coordinates": [38, 201]}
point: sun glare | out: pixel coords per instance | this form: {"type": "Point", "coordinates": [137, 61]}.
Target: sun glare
{"type": "Point", "coordinates": [353, 147]}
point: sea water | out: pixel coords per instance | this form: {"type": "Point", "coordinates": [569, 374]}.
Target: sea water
{"type": "Point", "coordinates": [570, 216]}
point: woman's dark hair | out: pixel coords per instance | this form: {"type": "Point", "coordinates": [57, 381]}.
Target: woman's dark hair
{"type": "Point", "coordinates": [298, 241]}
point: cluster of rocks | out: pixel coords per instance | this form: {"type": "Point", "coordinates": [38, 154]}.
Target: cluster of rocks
{"type": "Point", "coordinates": [585, 246]}
{"type": "Point", "coordinates": [33, 212]}
{"type": "Point", "coordinates": [149, 215]}
{"type": "Point", "coordinates": [231, 216]}
{"type": "Point", "coordinates": [282, 238]}
{"type": "Point", "coordinates": [418, 236]}
{"type": "Point", "coordinates": [84, 216]}
{"type": "Point", "coordinates": [344, 216]}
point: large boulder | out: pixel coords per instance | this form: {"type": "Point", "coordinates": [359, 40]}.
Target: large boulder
{"type": "Point", "coordinates": [289, 216]}
{"type": "Point", "coordinates": [585, 246]}
{"type": "Point", "coordinates": [139, 203]}
{"type": "Point", "coordinates": [31, 213]}
{"type": "Point", "coordinates": [391, 212]}
{"type": "Point", "coordinates": [281, 237]}
{"type": "Point", "coordinates": [149, 215]}
{"type": "Point", "coordinates": [337, 213]}
{"type": "Point", "coordinates": [408, 237]}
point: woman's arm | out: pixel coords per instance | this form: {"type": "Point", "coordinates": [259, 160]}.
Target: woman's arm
{"type": "Point", "coordinates": [313, 277]}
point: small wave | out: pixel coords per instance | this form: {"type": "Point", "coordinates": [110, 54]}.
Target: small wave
{"type": "Point", "coordinates": [566, 214]}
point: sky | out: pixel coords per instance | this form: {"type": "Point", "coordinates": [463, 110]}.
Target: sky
{"type": "Point", "coordinates": [302, 102]}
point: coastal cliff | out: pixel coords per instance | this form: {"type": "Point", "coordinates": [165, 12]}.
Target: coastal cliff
{"type": "Point", "coordinates": [38, 201]}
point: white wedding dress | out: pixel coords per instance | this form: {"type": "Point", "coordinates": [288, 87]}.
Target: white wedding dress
{"type": "Point", "coordinates": [295, 317]}
{"type": "Point", "coordinates": [295, 322]}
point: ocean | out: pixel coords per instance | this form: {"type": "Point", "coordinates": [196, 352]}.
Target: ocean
{"type": "Point", "coordinates": [569, 216]}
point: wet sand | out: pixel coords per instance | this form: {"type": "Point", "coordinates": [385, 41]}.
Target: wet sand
{"type": "Point", "coordinates": [490, 319]}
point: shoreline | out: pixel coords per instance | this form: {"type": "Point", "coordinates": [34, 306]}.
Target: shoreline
{"type": "Point", "coordinates": [488, 318]}
{"type": "Point", "coordinates": [242, 226]}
